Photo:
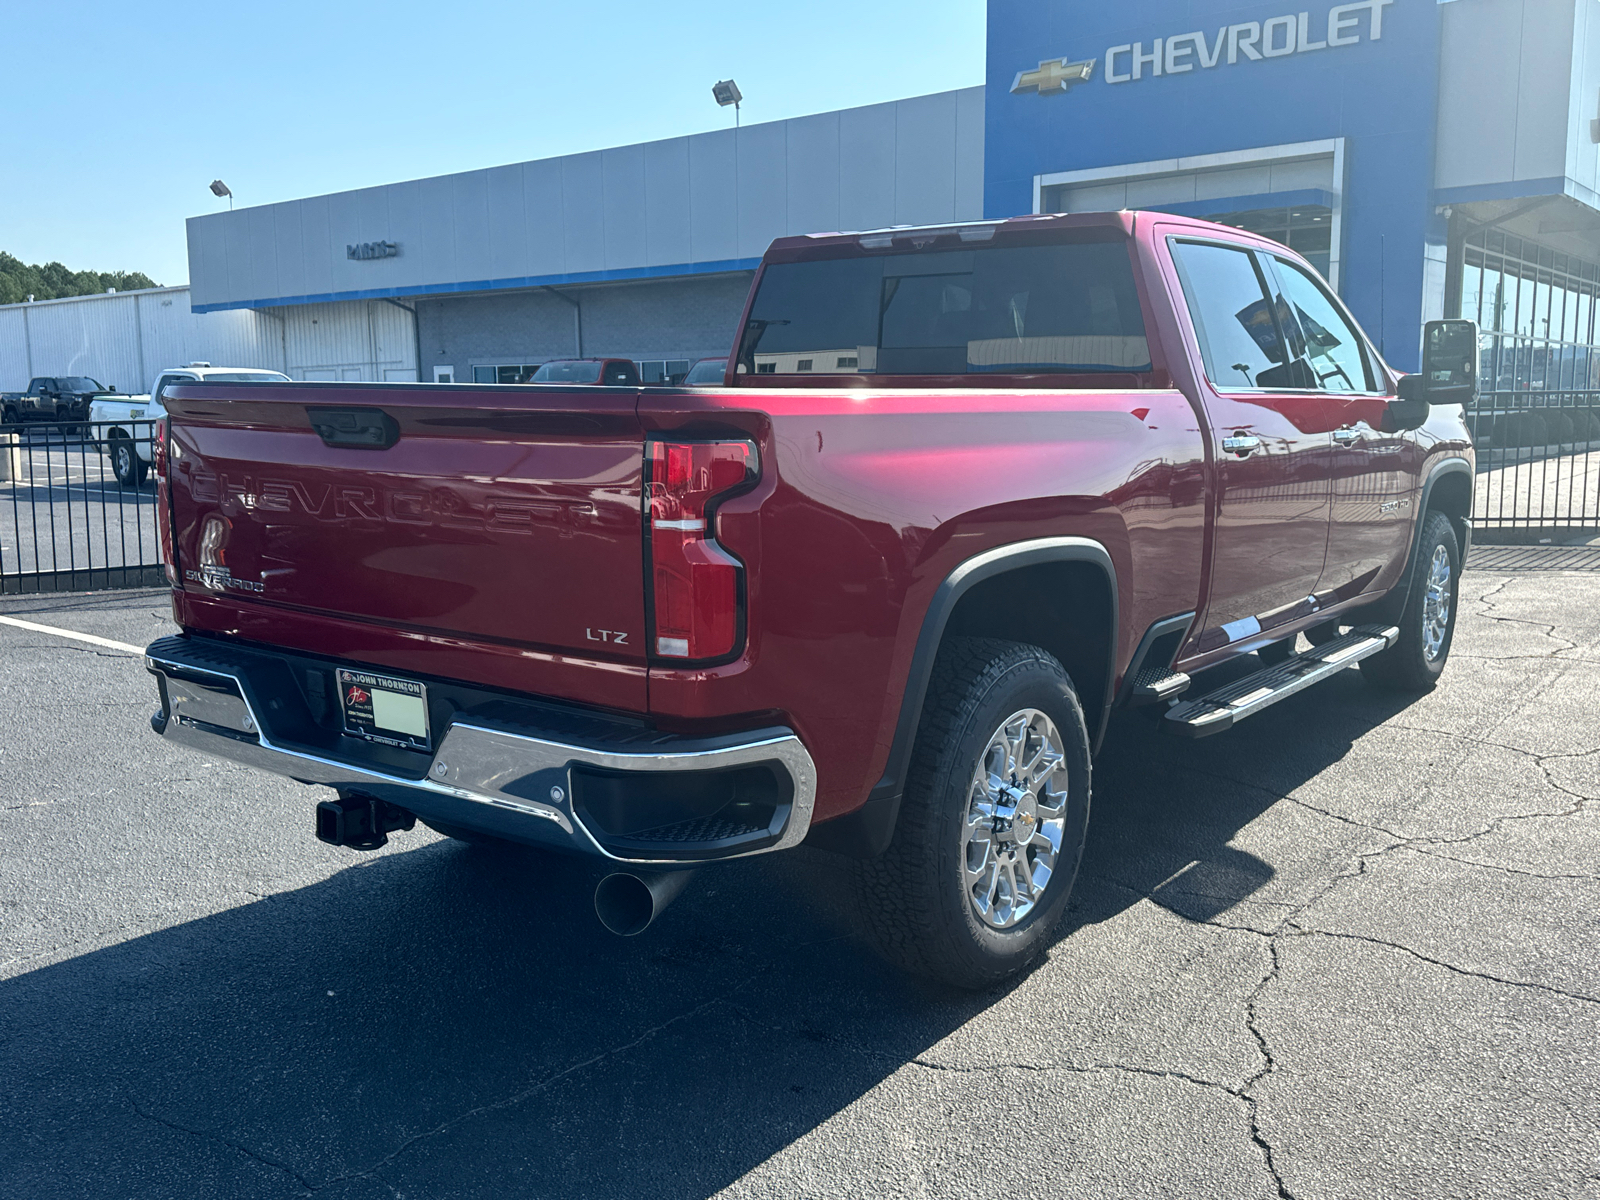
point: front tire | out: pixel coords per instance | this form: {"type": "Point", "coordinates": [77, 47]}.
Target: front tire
{"type": "Point", "coordinates": [126, 464]}
{"type": "Point", "coordinates": [1428, 624]}
{"type": "Point", "coordinates": [992, 825]}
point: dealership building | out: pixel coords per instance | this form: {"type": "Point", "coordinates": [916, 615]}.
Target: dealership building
{"type": "Point", "coordinates": [1432, 159]}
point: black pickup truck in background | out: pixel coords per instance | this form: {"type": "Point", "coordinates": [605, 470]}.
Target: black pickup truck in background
{"type": "Point", "coordinates": [52, 398]}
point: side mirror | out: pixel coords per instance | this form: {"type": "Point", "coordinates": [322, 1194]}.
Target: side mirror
{"type": "Point", "coordinates": [1449, 374]}
{"type": "Point", "coordinates": [1450, 362]}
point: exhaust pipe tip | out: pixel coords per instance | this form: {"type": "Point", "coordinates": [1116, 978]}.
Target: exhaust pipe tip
{"type": "Point", "coordinates": [628, 904]}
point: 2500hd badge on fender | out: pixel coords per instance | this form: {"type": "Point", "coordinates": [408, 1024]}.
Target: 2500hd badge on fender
{"type": "Point", "coordinates": [966, 490]}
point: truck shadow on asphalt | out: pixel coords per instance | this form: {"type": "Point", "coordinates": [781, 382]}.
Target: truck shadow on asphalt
{"type": "Point", "coordinates": [451, 1021]}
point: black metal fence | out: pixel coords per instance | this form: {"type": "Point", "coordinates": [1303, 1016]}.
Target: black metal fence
{"type": "Point", "coordinates": [1538, 459]}
{"type": "Point", "coordinates": [77, 507]}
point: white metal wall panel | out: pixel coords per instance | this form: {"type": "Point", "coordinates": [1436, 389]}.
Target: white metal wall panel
{"type": "Point", "coordinates": [236, 256]}
{"type": "Point", "coordinates": [925, 160]}
{"type": "Point", "coordinates": [583, 192]}
{"type": "Point", "coordinates": [469, 227]}
{"type": "Point", "coordinates": [403, 205]}
{"type": "Point", "coordinates": [1508, 121]}
{"type": "Point", "coordinates": [353, 339]}
{"type": "Point", "coordinates": [99, 339]}
{"type": "Point", "coordinates": [508, 223]}
{"type": "Point", "coordinates": [15, 370]}
{"type": "Point", "coordinates": [713, 197]}
{"type": "Point", "coordinates": [345, 211]}
{"type": "Point", "coordinates": [1583, 155]}
{"type": "Point", "coordinates": [1234, 181]}
{"type": "Point", "coordinates": [316, 243]}
{"type": "Point", "coordinates": [666, 213]}
{"type": "Point", "coordinates": [1546, 56]}
{"type": "Point", "coordinates": [969, 154]}
{"type": "Point", "coordinates": [763, 187]}
{"type": "Point", "coordinates": [813, 174]}
{"type": "Point", "coordinates": [622, 172]}
{"type": "Point", "coordinates": [125, 340]}
{"type": "Point", "coordinates": [261, 263]}
{"type": "Point", "coordinates": [1153, 191]}
{"type": "Point", "coordinates": [544, 212]}
{"type": "Point", "coordinates": [866, 167]}
{"type": "Point", "coordinates": [208, 261]}
{"type": "Point", "coordinates": [704, 199]}
{"type": "Point", "coordinates": [288, 244]}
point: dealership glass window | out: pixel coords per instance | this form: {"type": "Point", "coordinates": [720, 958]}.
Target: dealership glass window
{"type": "Point", "coordinates": [1536, 308]}
{"type": "Point", "coordinates": [505, 373]}
{"type": "Point", "coordinates": [663, 370]}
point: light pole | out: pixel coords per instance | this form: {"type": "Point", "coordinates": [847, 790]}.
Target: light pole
{"type": "Point", "coordinates": [727, 92]}
{"type": "Point", "coordinates": [218, 188]}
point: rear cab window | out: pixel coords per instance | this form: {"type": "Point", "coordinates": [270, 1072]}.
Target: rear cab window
{"type": "Point", "coordinates": [171, 381]}
{"type": "Point", "coordinates": [1056, 308]}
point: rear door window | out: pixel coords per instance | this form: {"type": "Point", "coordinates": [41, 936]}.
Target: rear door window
{"type": "Point", "coordinates": [1051, 309]}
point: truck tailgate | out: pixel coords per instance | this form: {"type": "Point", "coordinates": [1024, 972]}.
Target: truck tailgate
{"type": "Point", "coordinates": [498, 515]}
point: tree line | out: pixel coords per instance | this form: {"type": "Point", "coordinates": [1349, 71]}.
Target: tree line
{"type": "Point", "coordinates": [52, 281]}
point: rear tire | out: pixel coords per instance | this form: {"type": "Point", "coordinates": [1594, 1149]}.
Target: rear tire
{"type": "Point", "coordinates": [991, 828]}
{"type": "Point", "coordinates": [1321, 635]}
{"type": "Point", "coordinates": [1277, 652]}
{"type": "Point", "coordinates": [1428, 624]}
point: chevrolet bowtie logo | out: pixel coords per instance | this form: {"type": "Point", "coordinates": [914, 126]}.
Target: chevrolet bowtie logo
{"type": "Point", "coordinates": [1054, 77]}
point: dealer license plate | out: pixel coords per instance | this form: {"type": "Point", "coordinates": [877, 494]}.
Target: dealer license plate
{"type": "Point", "coordinates": [383, 709]}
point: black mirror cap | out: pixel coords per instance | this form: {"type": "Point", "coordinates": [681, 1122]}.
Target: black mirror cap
{"type": "Point", "coordinates": [1409, 409]}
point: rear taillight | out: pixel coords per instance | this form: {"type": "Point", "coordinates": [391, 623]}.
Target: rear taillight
{"type": "Point", "coordinates": [696, 584]}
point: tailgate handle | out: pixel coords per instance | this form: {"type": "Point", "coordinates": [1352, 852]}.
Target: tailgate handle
{"type": "Point", "coordinates": [360, 428]}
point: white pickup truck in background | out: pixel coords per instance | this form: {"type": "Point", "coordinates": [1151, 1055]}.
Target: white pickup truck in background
{"type": "Point", "coordinates": [123, 425]}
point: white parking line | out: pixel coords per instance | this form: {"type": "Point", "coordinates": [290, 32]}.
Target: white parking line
{"type": "Point", "coordinates": [73, 634]}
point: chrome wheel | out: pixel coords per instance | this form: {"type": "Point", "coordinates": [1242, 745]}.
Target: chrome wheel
{"type": "Point", "coordinates": [1436, 604]}
{"type": "Point", "coordinates": [1016, 816]}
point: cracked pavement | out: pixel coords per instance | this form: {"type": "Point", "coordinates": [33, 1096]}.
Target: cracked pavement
{"type": "Point", "coordinates": [1345, 950]}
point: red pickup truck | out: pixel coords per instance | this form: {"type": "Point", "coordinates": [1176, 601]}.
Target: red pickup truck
{"type": "Point", "coordinates": [965, 490]}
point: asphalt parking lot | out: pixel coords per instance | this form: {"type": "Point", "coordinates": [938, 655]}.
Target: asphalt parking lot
{"type": "Point", "coordinates": [1346, 950]}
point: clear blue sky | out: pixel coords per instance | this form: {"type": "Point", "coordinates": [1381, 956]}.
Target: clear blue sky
{"type": "Point", "coordinates": [115, 116]}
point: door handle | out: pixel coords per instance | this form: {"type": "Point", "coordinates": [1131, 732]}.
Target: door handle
{"type": "Point", "coordinates": [1241, 443]}
{"type": "Point", "coordinates": [1347, 435]}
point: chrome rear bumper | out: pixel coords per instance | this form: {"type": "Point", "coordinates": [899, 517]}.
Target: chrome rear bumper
{"type": "Point", "coordinates": [507, 781]}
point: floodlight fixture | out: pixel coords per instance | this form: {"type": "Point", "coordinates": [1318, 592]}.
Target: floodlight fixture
{"type": "Point", "coordinates": [220, 189]}
{"type": "Point", "coordinates": [727, 92]}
